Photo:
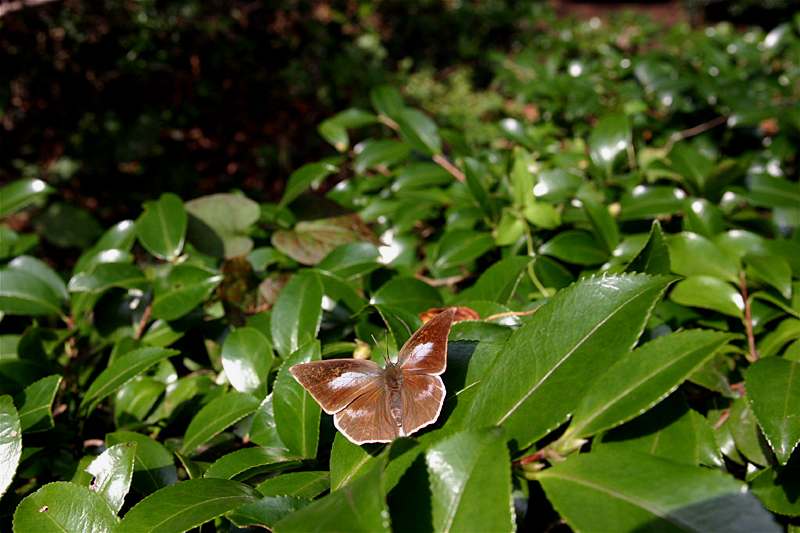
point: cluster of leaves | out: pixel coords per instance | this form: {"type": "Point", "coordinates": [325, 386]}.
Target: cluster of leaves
{"type": "Point", "coordinates": [655, 385]}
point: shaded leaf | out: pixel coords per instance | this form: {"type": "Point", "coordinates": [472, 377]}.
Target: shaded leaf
{"type": "Point", "coordinates": [219, 224]}
{"type": "Point", "coordinates": [162, 226]}
{"type": "Point", "coordinates": [215, 417]}
{"type": "Point", "coordinates": [773, 387]}
{"type": "Point", "coordinates": [154, 466]}
{"type": "Point", "coordinates": [34, 404]}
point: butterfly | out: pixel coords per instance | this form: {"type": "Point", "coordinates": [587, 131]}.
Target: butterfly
{"type": "Point", "coordinates": [374, 404]}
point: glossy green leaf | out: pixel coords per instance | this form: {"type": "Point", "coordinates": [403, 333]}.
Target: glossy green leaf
{"type": "Point", "coordinates": [777, 488]}
{"type": "Point", "coordinates": [120, 236]}
{"type": "Point", "coordinates": [267, 511]}
{"type": "Point", "coordinates": [41, 270]}
{"type": "Point", "coordinates": [746, 433]}
{"type": "Point", "coordinates": [772, 270]}
{"type": "Point", "coordinates": [215, 417]}
{"type": "Point", "coordinates": [107, 275]}
{"type": "Point", "coordinates": [334, 130]}
{"type": "Point", "coordinates": [310, 241]}
{"type": "Point", "coordinates": [702, 217]}
{"type": "Point", "coordinates": [34, 404]}
{"type": "Point", "coordinates": [67, 225]}
{"type": "Point", "coordinates": [162, 226]}
{"type": "Point", "coordinates": [499, 282]}
{"type": "Point", "coordinates": [351, 261]}
{"type": "Point", "coordinates": [135, 400]}
{"type": "Point", "coordinates": [182, 289]}
{"type": "Point", "coordinates": [634, 492]}
{"type": "Point", "coordinates": [10, 442]}
{"type": "Point", "coordinates": [247, 358]}
{"type": "Point", "coordinates": [609, 141]}
{"type": "Point", "coordinates": [154, 466]}
{"type": "Point", "coordinates": [19, 194]}
{"type": "Point", "coordinates": [64, 507]}
{"type": "Point", "coordinates": [548, 354]}
{"type": "Point", "coordinates": [771, 191]}
{"type": "Point", "coordinates": [642, 378]}
{"type": "Point", "coordinates": [653, 259]}
{"type": "Point", "coordinates": [357, 507]}
{"type": "Point", "coordinates": [577, 247]}
{"type": "Point", "coordinates": [23, 293]}
{"type": "Point", "coordinates": [297, 415]}
{"type": "Point", "coordinates": [772, 343]}
{"type": "Point", "coordinates": [350, 461]}
{"type": "Point", "coordinates": [185, 505]}
{"type": "Point", "coordinates": [692, 165]}
{"type": "Point", "coordinates": [542, 215]}
{"type": "Point", "coordinates": [418, 131]}
{"type": "Point", "coordinates": [670, 430]}
{"type": "Point", "coordinates": [708, 293]}
{"type": "Point", "coordinates": [509, 230]}
{"type": "Point", "coordinates": [304, 177]}
{"type": "Point", "coordinates": [120, 372]}
{"type": "Point", "coordinates": [407, 293]}
{"type": "Point", "coordinates": [458, 247]}
{"type": "Point", "coordinates": [470, 482]}
{"type": "Point", "coordinates": [297, 313]}
{"type": "Point", "coordinates": [113, 471]}
{"type": "Point", "coordinates": [386, 100]}
{"type": "Point", "coordinates": [649, 201]}
{"type": "Point", "coordinates": [219, 224]}
{"type": "Point", "coordinates": [298, 484]}
{"type": "Point", "coordinates": [262, 428]}
{"type": "Point", "coordinates": [422, 175]}
{"type": "Point", "coordinates": [384, 153]}
{"type": "Point", "coordinates": [340, 292]}
{"type": "Point", "coordinates": [243, 464]}
{"type": "Point", "coordinates": [694, 255]}
{"type": "Point", "coordinates": [773, 387]}
{"type": "Point", "coordinates": [604, 227]}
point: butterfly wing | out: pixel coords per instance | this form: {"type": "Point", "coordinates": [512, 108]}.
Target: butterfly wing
{"type": "Point", "coordinates": [368, 418]}
{"type": "Point", "coordinates": [422, 397]}
{"type": "Point", "coordinates": [335, 383]}
{"type": "Point", "coordinates": [426, 351]}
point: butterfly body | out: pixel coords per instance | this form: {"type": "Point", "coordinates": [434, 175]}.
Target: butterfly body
{"type": "Point", "coordinates": [374, 404]}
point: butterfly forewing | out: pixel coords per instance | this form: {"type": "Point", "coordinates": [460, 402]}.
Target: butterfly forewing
{"type": "Point", "coordinates": [335, 383]}
{"type": "Point", "coordinates": [426, 351]}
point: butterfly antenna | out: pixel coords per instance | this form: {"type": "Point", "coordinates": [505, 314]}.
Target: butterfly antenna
{"type": "Point", "coordinates": [379, 347]}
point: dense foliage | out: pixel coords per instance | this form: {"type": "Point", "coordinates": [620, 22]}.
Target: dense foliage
{"type": "Point", "coordinates": [641, 198]}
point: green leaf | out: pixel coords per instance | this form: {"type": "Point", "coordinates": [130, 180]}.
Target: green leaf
{"type": "Point", "coordinates": [297, 313]}
{"type": "Point", "coordinates": [350, 461]}
{"type": "Point", "coordinates": [670, 430]}
{"type": "Point", "coordinates": [641, 379]}
{"type": "Point", "coordinates": [19, 194]}
{"type": "Point", "coordinates": [419, 131]}
{"type": "Point", "coordinates": [357, 507]}
{"type": "Point", "coordinates": [386, 100]}
{"type": "Point", "coordinates": [298, 484]}
{"type": "Point", "coordinates": [154, 466]}
{"type": "Point", "coordinates": [410, 294]}
{"type": "Point", "coordinates": [384, 153]}
{"type": "Point", "coordinates": [422, 175]}
{"type": "Point", "coordinates": [262, 429]}
{"type": "Point", "coordinates": [636, 492]}
{"type": "Point", "coordinates": [702, 217]}
{"type": "Point", "coordinates": [104, 276]}
{"type": "Point", "coordinates": [772, 270]}
{"type": "Point", "coordinates": [243, 464]}
{"type": "Point", "coordinates": [653, 259]}
{"type": "Point", "coordinates": [509, 230]}
{"type": "Point", "coordinates": [773, 387]}
{"type": "Point", "coordinates": [310, 241]}
{"type": "Point", "coordinates": [769, 191]}
{"type": "Point", "coordinates": [609, 141]}
{"type": "Point", "coordinates": [709, 293]}
{"type": "Point", "coordinates": [576, 247]}
{"type": "Point", "coordinates": [746, 434]}
{"type": "Point", "coordinates": [777, 488]}
{"type": "Point", "coordinates": [219, 224]}
{"type": "Point", "coordinates": [182, 289]}
{"type": "Point", "coordinates": [267, 511]}
{"type": "Point", "coordinates": [135, 400]}
{"type": "Point", "coordinates": [23, 293]}
{"type": "Point", "coordinates": [215, 417]}
{"type": "Point", "coordinates": [247, 358]}
{"type": "Point", "coordinates": [470, 482]}
{"type": "Point", "coordinates": [122, 371]}
{"type": "Point", "coordinates": [64, 507]}
{"type": "Point", "coordinates": [185, 505]}
{"type": "Point", "coordinates": [41, 270]}
{"type": "Point", "coordinates": [334, 130]}
{"type": "Point", "coordinates": [542, 215]}
{"type": "Point", "coordinates": [297, 415]}
{"type": "Point", "coordinates": [351, 261]}
{"type": "Point", "coordinates": [650, 201]}
{"type": "Point", "coordinates": [694, 255]}
{"type": "Point", "coordinates": [68, 225]}
{"type": "Point", "coordinates": [522, 391]}
{"type": "Point", "coordinates": [10, 442]}
{"type": "Point", "coordinates": [113, 472]}
{"type": "Point", "coordinates": [692, 165]}
{"type": "Point", "coordinates": [604, 227]}
{"type": "Point", "coordinates": [162, 226]}
{"type": "Point", "coordinates": [499, 282]}
{"type": "Point", "coordinates": [34, 404]}
{"type": "Point", "coordinates": [461, 246]}
{"type": "Point", "coordinates": [303, 178]}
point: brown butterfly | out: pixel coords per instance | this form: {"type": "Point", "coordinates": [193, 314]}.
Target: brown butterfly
{"type": "Point", "coordinates": [374, 404]}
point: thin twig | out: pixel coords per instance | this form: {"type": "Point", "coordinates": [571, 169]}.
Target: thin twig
{"type": "Point", "coordinates": [748, 323]}
{"type": "Point", "coordinates": [691, 132]}
{"type": "Point", "coordinates": [448, 166]}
